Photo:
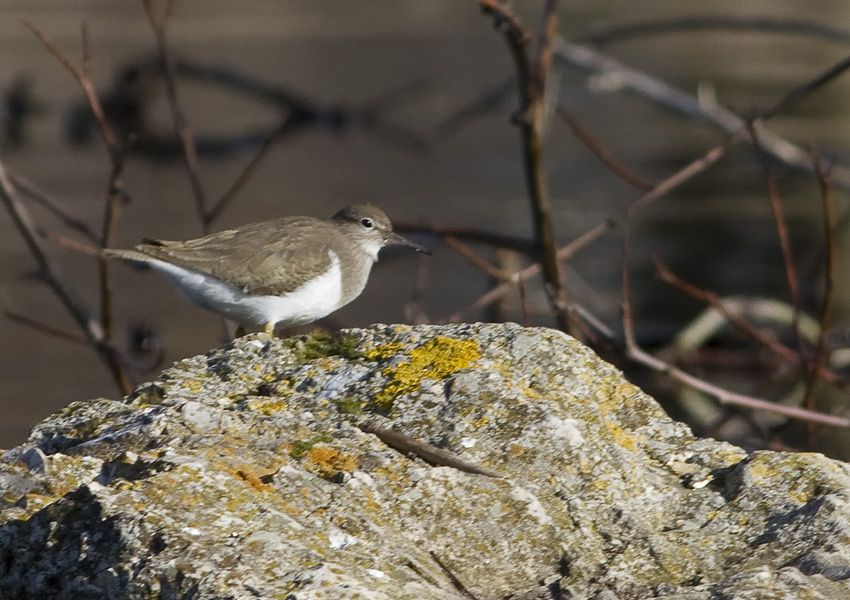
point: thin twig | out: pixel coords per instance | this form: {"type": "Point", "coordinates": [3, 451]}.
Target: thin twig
{"type": "Point", "coordinates": [429, 453]}
{"type": "Point", "coordinates": [660, 92]}
{"type": "Point", "coordinates": [819, 360]}
{"type": "Point", "coordinates": [52, 204]}
{"type": "Point", "coordinates": [790, 269]}
{"type": "Point", "coordinates": [563, 253]}
{"type": "Point", "coordinates": [287, 126]}
{"type": "Point", "coordinates": [603, 154]}
{"type": "Point", "coordinates": [548, 31]}
{"type": "Point", "coordinates": [79, 73]}
{"type": "Point", "coordinates": [44, 328]}
{"type": "Point", "coordinates": [69, 243]}
{"type": "Point", "coordinates": [116, 154]}
{"type": "Point", "coordinates": [91, 328]}
{"type": "Point", "coordinates": [114, 199]}
{"type": "Point", "coordinates": [470, 234]}
{"type": "Point", "coordinates": [522, 289]}
{"type": "Point", "coordinates": [414, 309]}
{"type": "Point", "coordinates": [475, 259]}
{"type": "Point", "coordinates": [457, 583]}
{"type": "Point", "coordinates": [159, 23]}
{"type": "Point", "coordinates": [100, 338]}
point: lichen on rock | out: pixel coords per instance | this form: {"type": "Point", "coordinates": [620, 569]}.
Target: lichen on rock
{"type": "Point", "coordinates": [243, 473]}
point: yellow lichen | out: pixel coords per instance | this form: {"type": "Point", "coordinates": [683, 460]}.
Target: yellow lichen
{"type": "Point", "coordinates": [193, 385]}
{"type": "Point", "coordinates": [383, 351]}
{"type": "Point", "coordinates": [435, 359]}
{"type": "Point", "coordinates": [621, 438]}
{"type": "Point", "coordinates": [267, 406]}
{"type": "Point", "coordinates": [326, 462]}
{"type": "Point", "coordinates": [481, 422]}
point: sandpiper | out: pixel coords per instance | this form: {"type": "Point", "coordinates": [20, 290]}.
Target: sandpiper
{"type": "Point", "coordinates": [287, 271]}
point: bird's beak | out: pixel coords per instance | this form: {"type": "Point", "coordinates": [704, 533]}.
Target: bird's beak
{"type": "Point", "coordinates": [395, 239]}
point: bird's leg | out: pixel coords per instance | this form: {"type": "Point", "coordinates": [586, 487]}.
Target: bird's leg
{"type": "Point", "coordinates": [269, 329]}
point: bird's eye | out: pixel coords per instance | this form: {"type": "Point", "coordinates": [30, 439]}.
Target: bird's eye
{"type": "Point", "coordinates": [367, 223]}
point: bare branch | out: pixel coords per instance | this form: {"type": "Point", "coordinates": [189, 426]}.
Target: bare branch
{"type": "Point", "coordinates": [638, 355]}
{"type": "Point", "coordinates": [475, 259]}
{"type": "Point", "coordinates": [530, 271]}
{"type": "Point", "coordinates": [660, 92]}
{"type": "Point", "coordinates": [36, 325]}
{"type": "Point", "coordinates": [819, 360]}
{"type": "Point", "coordinates": [603, 154]}
{"type": "Point", "coordinates": [91, 328]}
{"type": "Point", "coordinates": [736, 320]}
{"type": "Point", "coordinates": [53, 205]}
{"type": "Point", "coordinates": [620, 32]}
{"type": "Point", "coordinates": [531, 85]}
{"type": "Point", "coordinates": [69, 243]}
{"type": "Point", "coordinates": [287, 126]}
{"type": "Point", "coordinates": [181, 126]}
{"type": "Point", "coordinates": [79, 73]}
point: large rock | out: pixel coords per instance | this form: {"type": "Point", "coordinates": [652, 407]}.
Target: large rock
{"type": "Point", "coordinates": [242, 474]}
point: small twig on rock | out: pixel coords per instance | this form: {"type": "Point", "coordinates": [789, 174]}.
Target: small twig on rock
{"type": "Point", "coordinates": [430, 454]}
{"type": "Point", "coordinates": [453, 578]}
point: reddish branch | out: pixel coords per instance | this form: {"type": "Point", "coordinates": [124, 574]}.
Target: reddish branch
{"type": "Point", "coordinates": [603, 154]}
{"type": "Point", "coordinates": [724, 396]}
{"type": "Point", "coordinates": [562, 253]}
{"type": "Point", "coordinates": [818, 363]}
{"type": "Point", "coordinates": [52, 205]}
{"type": "Point", "coordinates": [743, 325]}
{"type": "Point", "coordinates": [788, 262]}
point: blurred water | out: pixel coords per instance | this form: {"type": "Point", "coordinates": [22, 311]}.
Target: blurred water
{"type": "Point", "coordinates": [717, 230]}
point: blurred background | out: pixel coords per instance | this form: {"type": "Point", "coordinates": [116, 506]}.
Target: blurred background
{"type": "Point", "coordinates": [389, 77]}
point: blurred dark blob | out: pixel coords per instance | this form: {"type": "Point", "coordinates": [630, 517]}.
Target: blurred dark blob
{"type": "Point", "coordinates": [145, 351]}
{"type": "Point", "coordinates": [125, 106]}
{"type": "Point", "coordinates": [19, 105]}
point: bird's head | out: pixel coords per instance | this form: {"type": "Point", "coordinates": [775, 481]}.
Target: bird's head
{"type": "Point", "coordinates": [372, 229]}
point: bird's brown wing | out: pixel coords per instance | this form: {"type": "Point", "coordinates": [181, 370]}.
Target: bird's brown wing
{"type": "Point", "coordinates": [257, 258]}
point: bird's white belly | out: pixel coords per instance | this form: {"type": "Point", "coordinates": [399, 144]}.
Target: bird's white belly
{"type": "Point", "coordinates": [317, 298]}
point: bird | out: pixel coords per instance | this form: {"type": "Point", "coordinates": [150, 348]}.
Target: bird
{"type": "Point", "coordinates": [282, 272]}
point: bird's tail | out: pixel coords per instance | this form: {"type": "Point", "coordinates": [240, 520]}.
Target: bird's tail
{"type": "Point", "coordinates": [128, 255]}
